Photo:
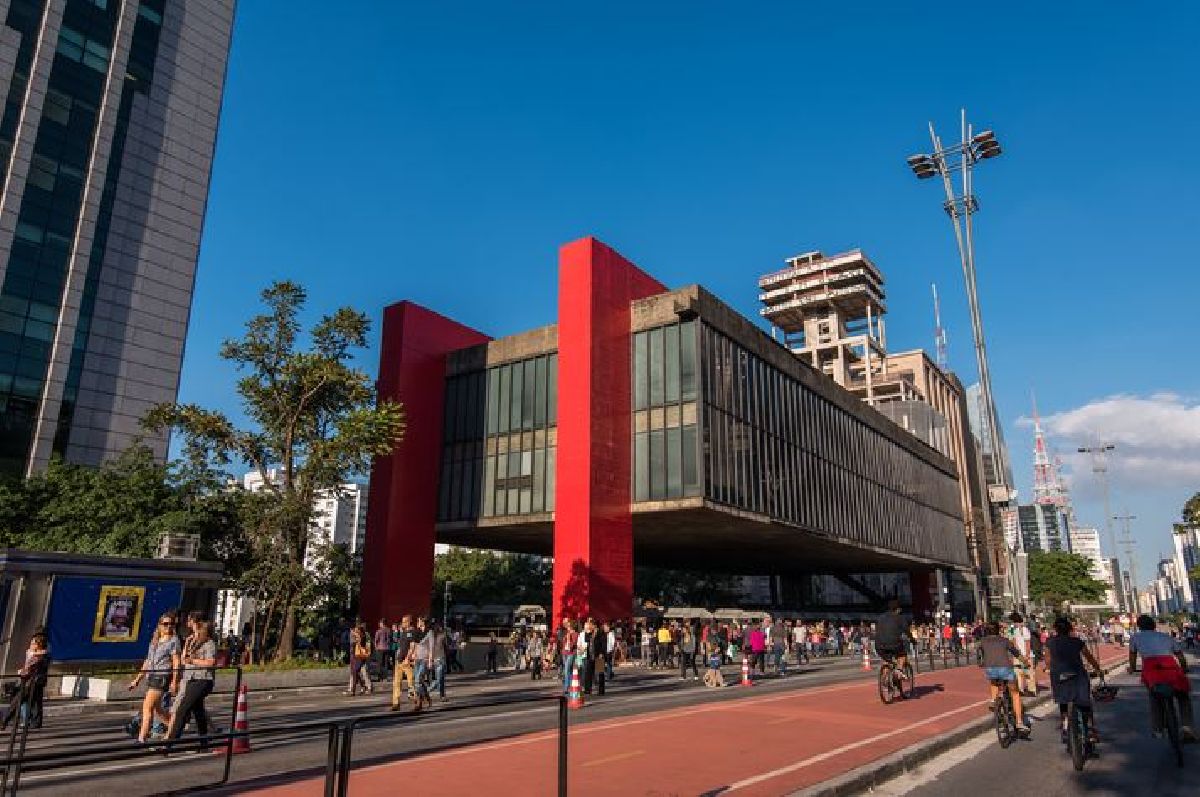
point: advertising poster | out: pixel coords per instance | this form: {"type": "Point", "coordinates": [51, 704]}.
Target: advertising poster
{"type": "Point", "coordinates": [119, 614]}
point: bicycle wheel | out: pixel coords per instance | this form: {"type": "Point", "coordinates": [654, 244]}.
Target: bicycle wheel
{"type": "Point", "coordinates": [1004, 722]}
{"type": "Point", "coordinates": [1171, 725]}
{"type": "Point", "coordinates": [886, 687]}
{"type": "Point", "coordinates": [906, 683]}
{"type": "Point", "coordinates": [1076, 738]}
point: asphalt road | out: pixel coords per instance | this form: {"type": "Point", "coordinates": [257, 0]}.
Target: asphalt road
{"type": "Point", "coordinates": [290, 751]}
{"type": "Point", "coordinates": [1131, 762]}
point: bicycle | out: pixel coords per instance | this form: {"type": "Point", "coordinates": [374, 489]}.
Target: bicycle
{"type": "Point", "coordinates": [1164, 696]}
{"type": "Point", "coordinates": [892, 683]}
{"type": "Point", "coordinates": [1006, 717]}
{"type": "Point", "coordinates": [1079, 737]}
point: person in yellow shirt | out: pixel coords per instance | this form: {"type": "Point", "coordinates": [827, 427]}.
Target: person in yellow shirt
{"type": "Point", "coordinates": [666, 656]}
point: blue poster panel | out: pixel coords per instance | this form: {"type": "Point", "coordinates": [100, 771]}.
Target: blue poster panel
{"type": "Point", "coordinates": [106, 619]}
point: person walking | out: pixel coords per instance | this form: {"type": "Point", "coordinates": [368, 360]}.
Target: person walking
{"type": "Point", "coordinates": [758, 644]}
{"type": "Point", "coordinates": [687, 654]}
{"type": "Point", "coordinates": [422, 658]}
{"type": "Point", "coordinates": [567, 645]}
{"type": "Point", "coordinates": [383, 649]}
{"type": "Point", "coordinates": [665, 657]}
{"type": "Point", "coordinates": [405, 643]}
{"type": "Point", "coordinates": [610, 649]}
{"type": "Point", "coordinates": [437, 657]}
{"type": "Point", "coordinates": [583, 655]}
{"type": "Point", "coordinates": [32, 683]}
{"type": "Point", "coordinates": [360, 654]}
{"type": "Point", "coordinates": [597, 654]}
{"type": "Point", "coordinates": [537, 652]}
{"type": "Point", "coordinates": [454, 646]}
{"type": "Point", "coordinates": [199, 660]}
{"type": "Point", "coordinates": [161, 670]}
{"type": "Point", "coordinates": [493, 654]}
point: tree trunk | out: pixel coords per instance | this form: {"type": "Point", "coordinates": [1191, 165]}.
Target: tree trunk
{"type": "Point", "coordinates": [266, 632]}
{"type": "Point", "coordinates": [287, 636]}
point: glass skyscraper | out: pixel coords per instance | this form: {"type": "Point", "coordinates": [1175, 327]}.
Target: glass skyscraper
{"type": "Point", "coordinates": [106, 146]}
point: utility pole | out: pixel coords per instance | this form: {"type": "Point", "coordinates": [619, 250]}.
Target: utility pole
{"type": "Point", "coordinates": [1130, 555]}
{"type": "Point", "coordinates": [1099, 453]}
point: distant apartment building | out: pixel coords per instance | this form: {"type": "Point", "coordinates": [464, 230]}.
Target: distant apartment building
{"type": "Point", "coordinates": [106, 146]}
{"type": "Point", "coordinates": [1187, 559]}
{"type": "Point", "coordinates": [1043, 527]}
{"type": "Point", "coordinates": [1085, 542]}
{"type": "Point", "coordinates": [339, 518]}
{"type": "Point", "coordinates": [830, 311]}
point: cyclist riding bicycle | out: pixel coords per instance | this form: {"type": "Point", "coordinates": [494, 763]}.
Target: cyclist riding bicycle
{"type": "Point", "coordinates": [892, 635]}
{"type": "Point", "coordinates": [1068, 678]}
{"type": "Point", "coordinates": [1162, 663]}
{"type": "Point", "coordinates": [998, 654]}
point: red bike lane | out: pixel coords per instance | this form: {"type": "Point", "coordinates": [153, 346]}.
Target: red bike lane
{"type": "Point", "coordinates": [758, 745]}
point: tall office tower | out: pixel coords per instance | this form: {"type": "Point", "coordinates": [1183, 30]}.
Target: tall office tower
{"type": "Point", "coordinates": [106, 144]}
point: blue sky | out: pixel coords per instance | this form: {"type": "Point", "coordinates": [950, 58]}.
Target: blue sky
{"type": "Point", "coordinates": [442, 153]}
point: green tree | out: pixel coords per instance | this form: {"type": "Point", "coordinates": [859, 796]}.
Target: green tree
{"type": "Point", "coordinates": [481, 577]}
{"type": "Point", "coordinates": [121, 508]}
{"type": "Point", "coordinates": [1056, 576]}
{"type": "Point", "coordinates": [312, 415]}
{"type": "Point", "coordinates": [332, 594]}
{"type": "Point", "coordinates": [684, 587]}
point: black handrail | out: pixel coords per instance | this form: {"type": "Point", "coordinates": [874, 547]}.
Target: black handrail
{"type": "Point", "coordinates": [340, 733]}
{"type": "Point", "coordinates": [13, 765]}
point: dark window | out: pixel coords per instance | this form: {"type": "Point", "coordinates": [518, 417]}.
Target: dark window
{"type": "Point", "coordinates": [656, 367]}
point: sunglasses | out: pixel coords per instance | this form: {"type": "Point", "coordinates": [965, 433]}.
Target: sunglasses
{"type": "Point", "coordinates": [165, 622]}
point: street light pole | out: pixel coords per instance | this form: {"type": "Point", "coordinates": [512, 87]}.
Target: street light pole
{"type": "Point", "coordinates": [446, 606]}
{"type": "Point", "coordinates": [943, 162]}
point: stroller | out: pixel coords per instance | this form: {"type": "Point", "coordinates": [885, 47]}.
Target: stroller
{"type": "Point", "coordinates": [157, 727]}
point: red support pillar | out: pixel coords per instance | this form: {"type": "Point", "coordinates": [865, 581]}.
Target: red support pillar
{"type": "Point", "coordinates": [921, 585]}
{"type": "Point", "coordinates": [402, 498]}
{"type": "Point", "coordinates": [593, 526]}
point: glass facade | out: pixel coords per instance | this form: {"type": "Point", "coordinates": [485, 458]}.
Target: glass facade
{"type": "Point", "coordinates": [48, 215]}
{"type": "Point", "coordinates": [500, 440]}
{"type": "Point", "coordinates": [138, 77]}
{"type": "Point", "coordinates": [50, 206]}
{"type": "Point", "coordinates": [775, 447]}
{"type": "Point", "coordinates": [665, 452]}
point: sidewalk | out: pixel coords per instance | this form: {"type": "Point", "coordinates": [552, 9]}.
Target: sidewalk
{"type": "Point", "coordinates": [758, 745]}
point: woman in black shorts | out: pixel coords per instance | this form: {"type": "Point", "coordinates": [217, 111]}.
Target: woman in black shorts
{"type": "Point", "coordinates": [1065, 654]}
{"type": "Point", "coordinates": [161, 669]}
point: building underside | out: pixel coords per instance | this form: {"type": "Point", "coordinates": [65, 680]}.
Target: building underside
{"type": "Point", "coordinates": [695, 534]}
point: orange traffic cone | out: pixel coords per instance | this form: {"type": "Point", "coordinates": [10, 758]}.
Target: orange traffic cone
{"type": "Point", "coordinates": [866, 665]}
{"type": "Point", "coordinates": [575, 694]}
{"type": "Point", "coordinates": [746, 671]}
{"type": "Point", "coordinates": [241, 722]}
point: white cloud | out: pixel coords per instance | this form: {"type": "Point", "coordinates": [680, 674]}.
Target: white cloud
{"type": "Point", "coordinates": [1157, 439]}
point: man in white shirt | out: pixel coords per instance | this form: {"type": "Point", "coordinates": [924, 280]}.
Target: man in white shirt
{"type": "Point", "coordinates": [800, 637]}
{"type": "Point", "coordinates": [1018, 633]}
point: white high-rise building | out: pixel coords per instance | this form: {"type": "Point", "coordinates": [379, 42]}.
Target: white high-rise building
{"type": "Point", "coordinates": [339, 517]}
{"type": "Point", "coordinates": [1085, 541]}
{"type": "Point", "coordinates": [1187, 559]}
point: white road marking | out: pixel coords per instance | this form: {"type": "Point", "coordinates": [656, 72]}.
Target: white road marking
{"type": "Point", "coordinates": [774, 773]}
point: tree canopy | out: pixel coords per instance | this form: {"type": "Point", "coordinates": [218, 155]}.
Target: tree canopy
{"type": "Point", "coordinates": [118, 509]}
{"type": "Point", "coordinates": [1057, 576]}
{"type": "Point", "coordinates": [481, 577]}
{"type": "Point", "coordinates": [314, 421]}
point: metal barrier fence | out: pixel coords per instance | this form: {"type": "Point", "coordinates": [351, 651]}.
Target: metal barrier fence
{"type": "Point", "coordinates": [339, 733]}
{"type": "Point", "coordinates": [30, 697]}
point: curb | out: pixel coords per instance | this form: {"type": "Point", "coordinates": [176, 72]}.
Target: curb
{"type": "Point", "coordinates": [870, 776]}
